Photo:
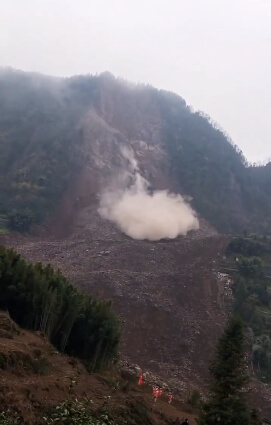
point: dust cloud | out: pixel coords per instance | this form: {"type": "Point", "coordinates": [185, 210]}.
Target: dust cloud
{"type": "Point", "coordinates": [141, 213]}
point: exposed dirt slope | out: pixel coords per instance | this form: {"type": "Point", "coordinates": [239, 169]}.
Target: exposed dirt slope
{"type": "Point", "coordinates": [34, 376]}
{"type": "Point", "coordinates": [166, 293]}
{"type": "Point", "coordinates": [52, 131]}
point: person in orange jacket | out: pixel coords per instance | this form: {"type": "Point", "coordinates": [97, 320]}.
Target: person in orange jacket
{"type": "Point", "coordinates": [140, 381]}
{"type": "Point", "coordinates": [155, 393]}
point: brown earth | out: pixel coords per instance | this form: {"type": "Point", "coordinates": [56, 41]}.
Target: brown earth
{"type": "Point", "coordinates": [34, 377]}
{"type": "Point", "coordinates": [166, 293]}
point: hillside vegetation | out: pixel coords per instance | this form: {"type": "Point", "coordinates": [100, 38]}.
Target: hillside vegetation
{"type": "Point", "coordinates": [39, 298]}
{"type": "Point", "coordinates": [44, 146]}
{"type": "Point", "coordinates": [249, 263]}
{"type": "Point", "coordinates": [40, 386]}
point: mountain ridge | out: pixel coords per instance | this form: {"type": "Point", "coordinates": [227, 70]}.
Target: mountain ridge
{"type": "Point", "coordinates": [52, 130]}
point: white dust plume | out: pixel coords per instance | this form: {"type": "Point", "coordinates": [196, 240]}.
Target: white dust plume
{"type": "Point", "coordinates": [144, 215]}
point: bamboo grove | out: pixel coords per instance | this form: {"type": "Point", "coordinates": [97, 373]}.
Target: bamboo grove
{"type": "Point", "coordinates": [41, 299]}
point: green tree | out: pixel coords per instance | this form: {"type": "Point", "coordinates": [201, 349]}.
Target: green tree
{"type": "Point", "coordinates": [20, 221]}
{"type": "Point", "coordinates": [250, 267]}
{"type": "Point", "coordinates": [228, 402]}
{"type": "Point", "coordinates": [40, 298]}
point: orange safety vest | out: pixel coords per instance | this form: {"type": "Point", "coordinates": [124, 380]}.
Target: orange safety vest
{"type": "Point", "coordinates": [155, 392]}
{"type": "Point", "coordinates": [140, 381]}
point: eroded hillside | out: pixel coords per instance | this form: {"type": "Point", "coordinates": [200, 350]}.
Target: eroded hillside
{"type": "Point", "coordinates": [35, 377]}
{"type": "Point", "coordinates": [54, 132]}
{"type": "Point", "coordinates": [167, 294]}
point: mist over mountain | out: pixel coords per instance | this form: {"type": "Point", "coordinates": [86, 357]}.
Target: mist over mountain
{"type": "Point", "coordinates": [57, 133]}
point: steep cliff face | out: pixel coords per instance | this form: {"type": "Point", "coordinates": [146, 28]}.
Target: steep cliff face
{"type": "Point", "coordinates": [105, 167]}
{"type": "Point", "coordinates": [57, 133]}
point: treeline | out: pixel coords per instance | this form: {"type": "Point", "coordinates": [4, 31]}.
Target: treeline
{"type": "Point", "coordinates": [249, 246]}
{"type": "Point", "coordinates": [231, 195]}
{"type": "Point", "coordinates": [40, 299]}
{"type": "Point", "coordinates": [228, 401]}
{"type": "Point", "coordinates": [252, 293]}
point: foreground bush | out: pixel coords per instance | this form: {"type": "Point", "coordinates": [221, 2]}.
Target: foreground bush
{"type": "Point", "coordinates": [75, 413]}
{"type": "Point", "coordinates": [7, 419]}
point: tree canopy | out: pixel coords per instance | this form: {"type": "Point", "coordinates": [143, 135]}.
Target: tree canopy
{"type": "Point", "coordinates": [39, 298]}
{"type": "Point", "coordinates": [228, 402]}
{"type": "Point", "coordinates": [226, 190]}
{"type": "Point", "coordinates": [252, 295]}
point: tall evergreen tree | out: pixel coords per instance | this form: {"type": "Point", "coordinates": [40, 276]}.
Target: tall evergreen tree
{"type": "Point", "coordinates": [228, 402]}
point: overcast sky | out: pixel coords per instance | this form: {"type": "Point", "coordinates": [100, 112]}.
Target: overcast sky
{"type": "Point", "coordinates": [215, 53]}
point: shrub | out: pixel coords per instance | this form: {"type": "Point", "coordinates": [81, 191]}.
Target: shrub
{"type": "Point", "coordinates": [75, 413]}
{"type": "Point", "coordinates": [7, 419]}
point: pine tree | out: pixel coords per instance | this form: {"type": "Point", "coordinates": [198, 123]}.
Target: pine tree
{"type": "Point", "coordinates": [228, 402]}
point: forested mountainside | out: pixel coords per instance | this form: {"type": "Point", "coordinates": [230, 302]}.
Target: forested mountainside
{"type": "Point", "coordinates": [52, 130]}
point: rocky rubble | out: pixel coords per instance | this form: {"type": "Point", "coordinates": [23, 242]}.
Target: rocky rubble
{"type": "Point", "coordinates": [169, 295]}
{"type": "Point", "coordinates": [177, 387]}
{"type": "Point", "coordinates": [165, 292]}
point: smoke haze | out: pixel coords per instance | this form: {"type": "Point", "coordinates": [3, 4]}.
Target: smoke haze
{"type": "Point", "coordinates": [144, 215]}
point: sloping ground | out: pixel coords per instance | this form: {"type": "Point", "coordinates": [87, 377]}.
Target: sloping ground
{"type": "Point", "coordinates": [34, 377]}
{"type": "Point", "coordinates": [166, 293]}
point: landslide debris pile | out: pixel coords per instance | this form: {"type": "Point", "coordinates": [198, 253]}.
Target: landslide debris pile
{"type": "Point", "coordinates": [166, 293]}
